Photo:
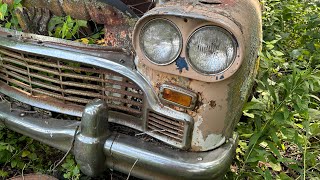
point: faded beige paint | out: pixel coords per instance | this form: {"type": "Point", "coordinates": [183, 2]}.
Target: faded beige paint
{"type": "Point", "coordinates": [220, 99]}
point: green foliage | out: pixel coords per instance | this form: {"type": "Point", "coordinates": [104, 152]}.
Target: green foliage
{"type": "Point", "coordinates": [280, 138]}
{"type": "Point", "coordinates": [71, 169]}
{"type": "Point", "coordinates": [8, 18]}
{"type": "Point", "coordinates": [19, 153]}
{"type": "Point", "coordinates": [65, 27]}
{"type": "Point", "coordinates": [68, 28]}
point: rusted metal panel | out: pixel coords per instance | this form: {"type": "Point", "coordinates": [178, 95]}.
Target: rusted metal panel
{"type": "Point", "coordinates": [117, 18]}
{"type": "Point", "coordinates": [101, 12]}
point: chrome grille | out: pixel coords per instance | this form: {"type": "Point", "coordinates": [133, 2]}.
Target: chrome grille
{"type": "Point", "coordinates": [166, 126]}
{"type": "Point", "coordinates": [72, 83]}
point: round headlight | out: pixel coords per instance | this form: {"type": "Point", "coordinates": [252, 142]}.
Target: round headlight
{"type": "Point", "coordinates": [161, 41]}
{"type": "Point", "coordinates": [211, 50]}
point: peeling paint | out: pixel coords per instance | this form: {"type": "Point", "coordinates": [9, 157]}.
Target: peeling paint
{"type": "Point", "coordinates": [202, 143]}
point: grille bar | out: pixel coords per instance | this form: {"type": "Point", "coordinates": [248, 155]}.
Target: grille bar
{"type": "Point", "coordinates": [166, 126]}
{"type": "Point", "coordinates": [73, 83]}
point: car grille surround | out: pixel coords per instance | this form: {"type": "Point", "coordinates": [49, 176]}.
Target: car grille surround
{"type": "Point", "coordinates": [64, 86]}
{"type": "Point", "coordinates": [72, 83]}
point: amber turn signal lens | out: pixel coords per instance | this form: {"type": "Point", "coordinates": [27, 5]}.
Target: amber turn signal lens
{"type": "Point", "coordinates": [177, 97]}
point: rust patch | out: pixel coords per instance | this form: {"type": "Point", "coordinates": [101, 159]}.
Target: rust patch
{"type": "Point", "coordinates": [118, 24]}
{"type": "Point", "coordinates": [118, 36]}
{"type": "Point", "coordinates": [213, 104]}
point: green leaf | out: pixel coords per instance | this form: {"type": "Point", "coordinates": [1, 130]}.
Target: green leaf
{"type": "Point", "coordinates": [277, 53]}
{"type": "Point", "coordinates": [3, 11]}
{"type": "Point", "coordinates": [279, 117]}
{"type": "Point", "coordinates": [82, 23]}
{"type": "Point", "coordinates": [274, 149]}
{"type": "Point", "coordinates": [32, 156]}
{"type": "Point", "coordinates": [284, 176]}
{"type": "Point", "coordinates": [3, 173]}
{"type": "Point", "coordinates": [315, 129]}
{"type": "Point", "coordinates": [8, 25]}
{"type": "Point", "coordinates": [276, 167]}
{"type": "Point", "coordinates": [64, 30]}
{"type": "Point", "coordinates": [25, 153]}
{"type": "Point", "coordinates": [13, 163]}
{"type": "Point", "coordinates": [267, 175]}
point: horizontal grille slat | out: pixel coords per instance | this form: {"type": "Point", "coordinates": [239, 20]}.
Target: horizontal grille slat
{"type": "Point", "coordinates": [165, 129]}
{"type": "Point", "coordinates": [16, 75]}
{"type": "Point", "coordinates": [165, 124]}
{"type": "Point", "coordinates": [160, 131]}
{"type": "Point", "coordinates": [48, 93]}
{"type": "Point", "coordinates": [14, 61]}
{"type": "Point", "coordinates": [124, 109]}
{"type": "Point", "coordinates": [70, 82]}
{"type": "Point", "coordinates": [17, 83]}
{"type": "Point", "coordinates": [15, 69]}
{"type": "Point", "coordinates": [164, 119]}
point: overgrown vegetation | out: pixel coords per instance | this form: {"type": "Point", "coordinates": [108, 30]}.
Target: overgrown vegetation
{"type": "Point", "coordinates": [280, 130]}
{"type": "Point", "coordinates": [279, 136]}
{"type": "Point", "coordinates": [73, 29]}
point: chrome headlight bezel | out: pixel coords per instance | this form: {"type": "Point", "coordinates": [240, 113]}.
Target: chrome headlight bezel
{"type": "Point", "coordinates": [177, 54]}
{"type": "Point", "coordinates": [228, 35]}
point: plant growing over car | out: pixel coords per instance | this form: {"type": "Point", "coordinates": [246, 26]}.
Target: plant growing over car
{"type": "Point", "coordinates": [65, 27]}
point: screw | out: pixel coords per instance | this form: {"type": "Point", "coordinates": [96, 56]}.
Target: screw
{"type": "Point", "coordinates": [122, 61]}
{"type": "Point", "coordinates": [22, 114]}
{"type": "Point", "coordinates": [200, 158]}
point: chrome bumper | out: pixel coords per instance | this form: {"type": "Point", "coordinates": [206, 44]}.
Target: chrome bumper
{"type": "Point", "coordinates": [96, 148]}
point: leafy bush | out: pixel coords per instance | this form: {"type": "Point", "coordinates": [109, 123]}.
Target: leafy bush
{"type": "Point", "coordinates": [20, 154]}
{"type": "Point", "coordinates": [8, 18]}
{"type": "Point", "coordinates": [280, 136]}
{"type": "Point", "coordinates": [65, 27]}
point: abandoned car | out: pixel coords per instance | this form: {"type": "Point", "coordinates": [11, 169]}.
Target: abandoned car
{"type": "Point", "coordinates": [160, 99]}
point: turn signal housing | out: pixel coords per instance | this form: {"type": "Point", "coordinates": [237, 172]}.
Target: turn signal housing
{"type": "Point", "coordinates": [178, 96]}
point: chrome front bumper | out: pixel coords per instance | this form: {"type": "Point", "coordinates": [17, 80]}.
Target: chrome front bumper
{"type": "Point", "coordinates": [96, 148]}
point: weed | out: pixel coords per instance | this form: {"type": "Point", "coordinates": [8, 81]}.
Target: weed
{"type": "Point", "coordinates": [280, 136]}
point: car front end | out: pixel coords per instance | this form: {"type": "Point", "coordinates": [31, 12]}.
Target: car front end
{"type": "Point", "coordinates": [160, 102]}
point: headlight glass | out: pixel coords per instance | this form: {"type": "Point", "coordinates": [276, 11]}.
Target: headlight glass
{"type": "Point", "coordinates": [211, 50]}
{"type": "Point", "coordinates": [161, 41]}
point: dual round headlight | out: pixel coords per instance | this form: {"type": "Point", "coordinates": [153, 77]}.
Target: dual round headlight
{"type": "Point", "coordinates": [161, 41]}
{"type": "Point", "coordinates": [210, 49]}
